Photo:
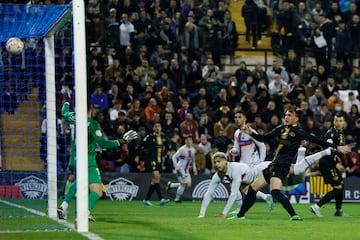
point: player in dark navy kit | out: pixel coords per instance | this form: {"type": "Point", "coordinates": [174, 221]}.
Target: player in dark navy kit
{"type": "Point", "coordinates": [154, 145]}
{"type": "Point", "coordinates": [290, 136]}
{"type": "Point", "coordinates": [332, 166]}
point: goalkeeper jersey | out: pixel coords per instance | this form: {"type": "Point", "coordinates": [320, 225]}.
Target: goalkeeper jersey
{"type": "Point", "coordinates": [95, 136]}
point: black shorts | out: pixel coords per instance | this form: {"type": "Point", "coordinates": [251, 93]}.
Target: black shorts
{"type": "Point", "coordinates": [331, 174]}
{"type": "Point", "coordinates": [275, 170]}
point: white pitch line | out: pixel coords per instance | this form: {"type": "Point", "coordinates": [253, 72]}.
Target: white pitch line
{"type": "Point", "coordinates": [89, 235]}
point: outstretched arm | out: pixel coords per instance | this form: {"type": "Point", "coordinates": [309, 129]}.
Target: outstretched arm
{"type": "Point", "coordinates": [215, 180]}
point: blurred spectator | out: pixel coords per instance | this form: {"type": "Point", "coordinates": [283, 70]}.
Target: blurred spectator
{"type": "Point", "coordinates": [276, 85]}
{"type": "Point", "coordinates": [200, 108]}
{"type": "Point", "coordinates": [353, 115]}
{"type": "Point", "coordinates": [222, 141]}
{"type": "Point", "coordinates": [335, 103]}
{"type": "Point", "coordinates": [127, 32]}
{"type": "Point", "coordinates": [241, 73]}
{"type": "Point", "coordinates": [189, 127]}
{"type": "Point", "coordinates": [136, 109]}
{"type": "Point", "coordinates": [152, 108]}
{"type": "Point", "coordinates": [259, 73]}
{"type": "Point", "coordinates": [316, 100]}
{"type": "Point", "coordinates": [277, 69]}
{"type": "Point", "coordinates": [220, 98]}
{"type": "Point", "coordinates": [225, 125]}
{"type": "Point", "coordinates": [99, 99]}
{"type": "Point", "coordinates": [230, 35]}
{"type": "Point", "coordinates": [353, 167]}
{"type": "Point", "coordinates": [169, 124]}
{"type": "Point", "coordinates": [351, 100]}
{"type": "Point", "coordinates": [330, 87]}
{"type": "Point", "coordinates": [322, 114]}
{"type": "Point", "coordinates": [355, 79]}
{"type": "Point", "coordinates": [343, 44]}
{"type": "Point", "coordinates": [250, 12]}
{"type": "Point", "coordinates": [206, 125]}
{"type": "Point", "coordinates": [292, 63]}
{"type": "Point", "coordinates": [270, 110]}
{"type": "Point", "coordinates": [340, 72]}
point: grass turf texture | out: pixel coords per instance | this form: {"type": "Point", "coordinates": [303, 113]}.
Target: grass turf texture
{"type": "Point", "coordinates": [133, 220]}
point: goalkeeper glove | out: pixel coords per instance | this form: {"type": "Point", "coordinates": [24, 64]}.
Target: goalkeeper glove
{"type": "Point", "coordinates": [128, 137]}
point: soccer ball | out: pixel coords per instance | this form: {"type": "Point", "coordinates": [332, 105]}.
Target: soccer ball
{"type": "Point", "coordinates": [14, 46]}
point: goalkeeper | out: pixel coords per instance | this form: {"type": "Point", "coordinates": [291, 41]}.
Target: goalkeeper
{"type": "Point", "coordinates": [95, 136]}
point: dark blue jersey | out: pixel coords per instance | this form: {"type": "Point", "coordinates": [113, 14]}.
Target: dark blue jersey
{"type": "Point", "coordinates": [289, 138]}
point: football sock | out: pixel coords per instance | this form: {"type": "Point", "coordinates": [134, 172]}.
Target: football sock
{"type": "Point", "coordinates": [71, 191]}
{"type": "Point", "coordinates": [179, 192]}
{"type": "Point", "coordinates": [284, 201]}
{"type": "Point", "coordinates": [305, 162]}
{"type": "Point", "coordinates": [158, 191]}
{"type": "Point", "coordinates": [338, 198]}
{"type": "Point", "coordinates": [64, 205]}
{"type": "Point", "coordinates": [261, 195]}
{"type": "Point", "coordinates": [329, 196]}
{"type": "Point", "coordinates": [150, 192]}
{"type": "Point", "coordinates": [249, 200]}
{"type": "Point", "coordinates": [93, 197]}
{"type": "Point", "coordinates": [175, 185]}
{"type": "Point", "coordinates": [239, 201]}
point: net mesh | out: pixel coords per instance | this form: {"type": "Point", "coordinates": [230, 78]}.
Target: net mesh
{"type": "Point", "coordinates": [23, 182]}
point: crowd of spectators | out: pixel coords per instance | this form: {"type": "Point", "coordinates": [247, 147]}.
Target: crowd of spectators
{"type": "Point", "coordinates": [159, 61]}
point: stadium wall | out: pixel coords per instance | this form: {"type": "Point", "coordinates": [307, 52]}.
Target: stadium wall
{"type": "Point", "coordinates": [133, 186]}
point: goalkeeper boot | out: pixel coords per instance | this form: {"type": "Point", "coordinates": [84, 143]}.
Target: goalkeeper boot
{"type": "Point", "coordinates": [62, 213]}
{"type": "Point", "coordinates": [91, 218]}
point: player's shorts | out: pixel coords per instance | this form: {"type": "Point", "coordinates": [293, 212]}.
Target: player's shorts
{"type": "Point", "coordinates": [331, 174]}
{"type": "Point", "coordinates": [255, 171]}
{"type": "Point", "coordinates": [275, 170]}
{"type": "Point", "coordinates": [185, 178]}
{"type": "Point", "coordinates": [94, 175]}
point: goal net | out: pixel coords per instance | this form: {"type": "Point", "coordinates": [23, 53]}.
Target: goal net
{"type": "Point", "coordinates": [35, 142]}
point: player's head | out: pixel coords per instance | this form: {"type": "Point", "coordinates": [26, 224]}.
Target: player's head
{"type": "Point", "coordinates": [292, 115]}
{"type": "Point", "coordinates": [157, 128]}
{"type": "Point", "coordinates": [220, 161]}
{"type": "Point", "coordinates": [189, 140]}
{"type": "Point", "coordinates": [339, 121]}
{"type": "Point", "coordinates": [240, 117]}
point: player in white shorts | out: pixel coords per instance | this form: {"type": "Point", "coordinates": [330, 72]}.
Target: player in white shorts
{"type": "Point", "coordinates": [249, 151]}
{"type": "Point", "coordinates": [237, 173]}
{"type": "Point", "coordinates": [183, 160]}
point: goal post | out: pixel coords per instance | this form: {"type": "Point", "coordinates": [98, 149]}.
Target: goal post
{"type": "Point", "coordinates": [32, 179]}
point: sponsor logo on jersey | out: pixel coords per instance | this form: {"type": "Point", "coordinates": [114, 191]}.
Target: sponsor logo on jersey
{"type": "Point", "coordinates": [121, 189]}
{"type": "Point", "coordinates": [32, 187]}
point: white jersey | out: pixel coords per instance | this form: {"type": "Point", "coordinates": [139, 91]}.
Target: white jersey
{"type": "Point", "coordinates": [184, 158]}
{"type": "Point", "coordinates": [236, 174]}
{"type": "Point", "coordinates": [249, 150]}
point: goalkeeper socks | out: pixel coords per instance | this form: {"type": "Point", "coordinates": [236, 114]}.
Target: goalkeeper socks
{"type": "Point", "coordinates": [179, 192]}
{"type": "Point", "coordinates": [64, 205]}
{"type": "Point", "coordinates": [71, 191]}
{"type": "Point", "coordinates": [302, 164]}
{"type": "Point", "coordinates": [328, 196]}
{"type": "Point", "coordinates": [261, 195]}
{"type": "Point", "coordinates": [93, 197]}
{"type": "Point", "coordinates": [249, 200]}
{"type": "Point", "coordinates": [284, 201]}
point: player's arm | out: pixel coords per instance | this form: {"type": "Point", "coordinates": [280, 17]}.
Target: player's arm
{"type": "Point", "coordinates": [234, 152]}
{"type": "Point", "coordinates": [305, 135]}
{"type": "Point", "coordinates": [261, 148]}
{"type": "Point", "coordinates": [263, 138]}
{"type": "Point", "coordinates": [215, 180]}
{"type": "Point", "coordinates": [235, 186]}
{"type": "Point", "coordinates": [66, 114]}
{"type": "Point", "coordinates": [175, 158]}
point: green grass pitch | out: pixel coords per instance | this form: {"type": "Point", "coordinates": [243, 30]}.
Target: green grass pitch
{"type": "Point", "coordinates": [134, 221]}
